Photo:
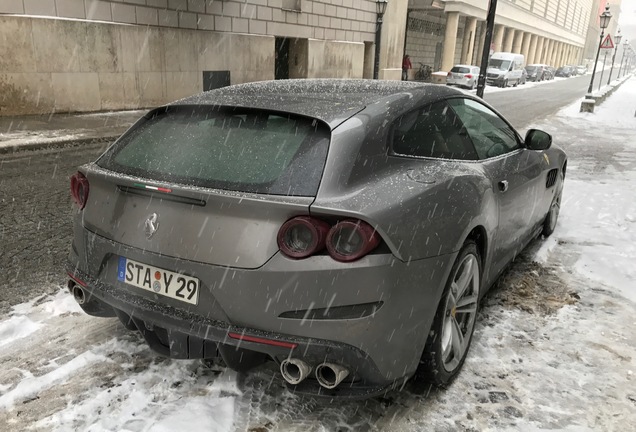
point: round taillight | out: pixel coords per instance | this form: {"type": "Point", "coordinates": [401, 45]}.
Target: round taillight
{"type": "Point", "coordinates": [79, 189]}
{"type": "Point", "coordinates": [351, 239]}
{"type": "Point", "coordinates": [302, 236]}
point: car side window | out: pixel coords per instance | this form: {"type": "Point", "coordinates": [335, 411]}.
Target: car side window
{"type": "Point", "coordinates": [490, 134]}
{"type": "Point", "coordinates": [433, 131]}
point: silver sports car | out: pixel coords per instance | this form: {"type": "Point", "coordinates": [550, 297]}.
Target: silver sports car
{"type": "Point", "coordinates": [344, 229]}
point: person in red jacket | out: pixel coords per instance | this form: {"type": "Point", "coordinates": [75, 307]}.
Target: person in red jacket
{"type": "Point", "coordinates": [406, 65]}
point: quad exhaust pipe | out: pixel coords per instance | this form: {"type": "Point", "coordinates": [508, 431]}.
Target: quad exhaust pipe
{"type": "Point", "coordinates": [330, 375]}
{"type": "Point", "coordinates": [294, 370]}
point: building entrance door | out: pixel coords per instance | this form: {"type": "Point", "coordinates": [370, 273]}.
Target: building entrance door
{"type": "Point", "coordinates": [281, 64]}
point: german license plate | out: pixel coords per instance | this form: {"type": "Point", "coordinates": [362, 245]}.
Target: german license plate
{"type": "Point", "coordinates": [159, 281]}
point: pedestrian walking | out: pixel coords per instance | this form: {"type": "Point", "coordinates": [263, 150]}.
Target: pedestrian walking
{"type": "Point", "coordinates": [406, 65]}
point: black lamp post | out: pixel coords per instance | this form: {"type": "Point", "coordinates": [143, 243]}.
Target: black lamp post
{"type": "Point", "coordinates": [617, 41]}
{"type": "Point", "coordinates": [625, 46]}
{"type": "Point", "coordinates": [604, 22]}
{"type": "Point", "coordinates": [485, 55]}
{"type": "Point", "coordinates": [380, 8]}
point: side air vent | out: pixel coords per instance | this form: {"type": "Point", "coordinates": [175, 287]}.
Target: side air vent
{"type": "Point", "coordinates": [552, 176]}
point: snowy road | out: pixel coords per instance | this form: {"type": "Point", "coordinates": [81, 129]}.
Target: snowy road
{"type": "Point", "coordinates": [554, 349]}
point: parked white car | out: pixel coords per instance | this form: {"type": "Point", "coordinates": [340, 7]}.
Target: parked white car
{"type": "Point", "coordinates": [463, 76]}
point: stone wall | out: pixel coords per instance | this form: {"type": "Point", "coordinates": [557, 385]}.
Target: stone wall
{"type": "Point", "coordinates": [60, 65]}
{"type": "Point", "coordinates": [343, 20]}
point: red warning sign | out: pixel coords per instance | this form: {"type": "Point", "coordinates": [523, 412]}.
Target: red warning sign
{"type": "Point", "coordinates": [607, 42]}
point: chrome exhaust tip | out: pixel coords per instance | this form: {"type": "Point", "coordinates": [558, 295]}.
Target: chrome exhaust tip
{"type": "Point", "coordinates": [294, 370]}
{"type": "Point", "coordinates": [79, 295]}
{"type": "Point", "coordinates": [330, 375]}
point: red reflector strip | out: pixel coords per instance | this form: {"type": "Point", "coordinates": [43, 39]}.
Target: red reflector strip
{"type": "Point", "coordinates": [247, 338]}
{"type": "Point", "coordinates": [76, 279]}
{"type": "Point", "coordinates": [154, 188]}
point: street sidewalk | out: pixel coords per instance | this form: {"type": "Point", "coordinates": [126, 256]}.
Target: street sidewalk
{"type": "Point", "coordinates": [41, 131]}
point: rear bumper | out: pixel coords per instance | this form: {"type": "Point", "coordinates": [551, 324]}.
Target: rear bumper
{"type": "Point", "coordinates": [381, 347]}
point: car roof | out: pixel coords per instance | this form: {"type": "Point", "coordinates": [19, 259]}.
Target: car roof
{"type": "Point", "coordinates": [330, 100]}
{"type": "Point", "coordinates": [464, 65]}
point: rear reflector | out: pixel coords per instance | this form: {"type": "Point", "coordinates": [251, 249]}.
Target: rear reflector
{"type": "Point", "coordinates": [254, 339]}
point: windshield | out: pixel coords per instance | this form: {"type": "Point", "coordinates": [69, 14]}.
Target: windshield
{"type": "Point", "coordinates": [531, 68]}
{"type": "Point", "coordinates": [239, 150]}
{"type": "Point", "coordinates": [499, 64]}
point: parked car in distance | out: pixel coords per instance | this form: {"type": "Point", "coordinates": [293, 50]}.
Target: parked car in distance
{"type": "Point", "coordinates": [463, 76]}
{"type": "Point", "coordinates": [564, 71]}
{"type": "Point", "coordinates": [344, 229]}
{"type": "Point", "coordinates": [550, 72]}
{"type": "Point", "coordinates": [581, 69]}
{"type": "Point", "coordinates": [505, 68]}
{"type": "Point", "coordinates": [573, 70]}
{"type": "Point", "coordinates": [536, 72]}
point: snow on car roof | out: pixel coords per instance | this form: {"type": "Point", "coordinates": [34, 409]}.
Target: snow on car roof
{"type": "Point", "coordinates": [330, 100]}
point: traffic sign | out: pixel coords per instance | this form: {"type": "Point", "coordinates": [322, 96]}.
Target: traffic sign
{"type": "Point", "coordinates": [607, 42]}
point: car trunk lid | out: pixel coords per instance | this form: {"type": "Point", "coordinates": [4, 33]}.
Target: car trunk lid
{"type": "Point", "coordinates": [211, 185]}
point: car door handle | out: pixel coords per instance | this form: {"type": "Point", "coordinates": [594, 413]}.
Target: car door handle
{"type": "Point", "coordinates": [503, 185]}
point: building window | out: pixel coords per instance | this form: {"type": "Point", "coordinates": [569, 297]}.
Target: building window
{"type": "Point", "coordinates": [292, 5]}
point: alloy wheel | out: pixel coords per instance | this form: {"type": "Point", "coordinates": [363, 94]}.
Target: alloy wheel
{"type": "Point", "coordinates": [554, 212]}
{"type": "Point", "coordinates": [460, 312]}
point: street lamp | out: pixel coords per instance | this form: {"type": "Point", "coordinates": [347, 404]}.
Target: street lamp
{"type": "Point", "coordinates": [625, 46]}
{"type": "Point", "coordinates": [617, 40]}
{"type": "Point", "coordinates": [380, 9]}
{"type": "Point", "coordinates": [604, 22]}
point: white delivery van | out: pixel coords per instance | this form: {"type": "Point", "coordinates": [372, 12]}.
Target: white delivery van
{"type": "Point", "coordinates": [505, 69]}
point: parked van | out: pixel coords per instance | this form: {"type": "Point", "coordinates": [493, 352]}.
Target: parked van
{"type": "Point", "coordinates": [504, 69]}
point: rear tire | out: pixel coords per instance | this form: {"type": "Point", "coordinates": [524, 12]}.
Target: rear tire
{"type": "Point", "coordinates": [549, 224]}
{"type": "Point", "coordinates": [452, 331]}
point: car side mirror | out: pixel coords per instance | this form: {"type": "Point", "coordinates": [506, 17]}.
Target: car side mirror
{"type": "Point", "coordinates": [538, 140]}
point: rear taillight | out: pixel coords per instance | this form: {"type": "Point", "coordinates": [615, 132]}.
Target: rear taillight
{"type": "Point", "coordinates": [450, 74]}
{"type": "Point", "coordinates": [469, 76]}
{"type": "Point", "coordinates": [302, 236]}
{"type": "Point", "coordinates": [351, 239]}
{"type": "Point", "coordinates": [79, 189]}
{"type": "Point", "coordinates": [346, 241]}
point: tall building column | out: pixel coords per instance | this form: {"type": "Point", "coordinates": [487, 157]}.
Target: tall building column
{"type": "Point", "coordinates": [525, 45]}
{"type": "Point", "coordinates": [564, 55]}
{"type": "Point", "coordinates": [560, 54]}
{"type": "Point", "coordinates": [516, 44]}
{"type": "Point", "coordinates": [469, 40]}
{"type": "Point", "coordinates": [555, 54]}
{"type": "Point", "coordinates": [480, 47]}
{"type": "Point", "coordinates": [539, 53]}
{"type": "Point", "coordinates": [548, 52]}
{"type": "Point", "coordinates": [510, 36]}
{"type": "Point", "coordinates": [450, 40]}
{"type": "Point", "coordinates": [498, 40]}
{"type": "Point", "coordinates": [533, 49]}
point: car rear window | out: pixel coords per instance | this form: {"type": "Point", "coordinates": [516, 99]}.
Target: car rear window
{"type": "Point", "coordinates": [225, 148]}
{"type": "Point", "coordinates": [458, 69]}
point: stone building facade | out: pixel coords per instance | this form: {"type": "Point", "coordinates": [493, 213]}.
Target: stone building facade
{"type": "Point", "coordinates": [92, 55]}
{"type": "Point", "coordinates": [443, 33]}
